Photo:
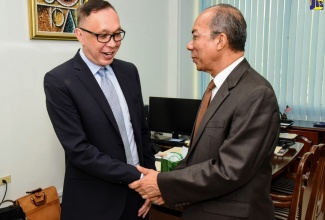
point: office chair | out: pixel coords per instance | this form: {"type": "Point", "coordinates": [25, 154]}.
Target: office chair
{"type": "Point", "coordinates": [316, 202]}
{"type": "Point", "coordinates": [288, 194]}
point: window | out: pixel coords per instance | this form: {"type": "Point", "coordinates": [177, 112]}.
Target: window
{"type": "Point", "coordinates": [286, 44]}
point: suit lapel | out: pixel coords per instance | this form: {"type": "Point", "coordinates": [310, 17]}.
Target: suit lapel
{"type": "Point", "coordinates": [123, 80]}
{"type": "Point", "coordinates": [213, 107]}
{"type": "Point", "coordinates": [224, 91]}
{"type": "Point", "coordinates": [88, 80]}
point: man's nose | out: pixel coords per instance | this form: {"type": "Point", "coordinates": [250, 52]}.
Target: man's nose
{"type": "Point", "coordinates": [190, 45]}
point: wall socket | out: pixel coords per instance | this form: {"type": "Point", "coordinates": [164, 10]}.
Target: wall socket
{"type": "Point", "coordinates": [7, 178]}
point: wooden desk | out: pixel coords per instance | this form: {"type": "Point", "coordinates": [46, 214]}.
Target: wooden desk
{"type": "Point", "coordinates": [279, 164]}
{"type": "Point", "coordinates": [306, 128]}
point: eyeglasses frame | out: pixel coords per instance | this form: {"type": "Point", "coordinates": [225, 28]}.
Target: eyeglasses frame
{"type": "Point", "coordinates": [111, 35]}
{"type": "Point", "coordinates": [194, 37]}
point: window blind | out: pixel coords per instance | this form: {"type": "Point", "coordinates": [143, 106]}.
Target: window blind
{"type": "Point", "coordinates": [286, 44]}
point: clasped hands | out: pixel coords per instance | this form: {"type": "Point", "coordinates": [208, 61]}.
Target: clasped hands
{"type": "Point", "coordinates": [147, 186]}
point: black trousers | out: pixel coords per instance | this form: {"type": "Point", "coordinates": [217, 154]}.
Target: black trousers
{"type": "Point", "coordinates": [133, 204]}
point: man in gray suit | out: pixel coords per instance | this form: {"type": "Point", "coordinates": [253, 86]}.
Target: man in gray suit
{"type": "Point", "coordinates": [227, 171]}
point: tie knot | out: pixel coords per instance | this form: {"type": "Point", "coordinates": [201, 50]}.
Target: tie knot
{"type": "Point", "coordinates": [102, 71]}
{"type": "Point", "coordinates": [211, 85]}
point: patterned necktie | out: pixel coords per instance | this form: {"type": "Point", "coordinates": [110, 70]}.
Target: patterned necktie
{"type": "Point", "coordinates": [204, 104]}
{"type": "Point", "coordinates": [112, 98]}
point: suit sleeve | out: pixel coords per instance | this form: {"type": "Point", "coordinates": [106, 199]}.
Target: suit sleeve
{"type": "Point", "coordinates": [250, 142]}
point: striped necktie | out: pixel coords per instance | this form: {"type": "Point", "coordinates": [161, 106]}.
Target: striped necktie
{"type": "Point", "coordinates": [112, 98]}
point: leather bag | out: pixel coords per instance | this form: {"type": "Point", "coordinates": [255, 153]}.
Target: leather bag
{"type": "Point", "coordinates": [12, 212]}
{"type": "Point", "coordinates": [41, 204]}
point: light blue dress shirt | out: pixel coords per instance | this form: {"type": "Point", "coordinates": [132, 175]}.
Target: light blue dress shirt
{"type": "Point", "coordinates": [125, 110]}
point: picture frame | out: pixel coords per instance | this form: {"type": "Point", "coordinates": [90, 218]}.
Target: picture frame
{"type": "Point", "coordinates": [53, 19]}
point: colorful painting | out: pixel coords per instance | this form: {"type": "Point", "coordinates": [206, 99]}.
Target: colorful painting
{"type": "Point", "coordinates": [53, 19]}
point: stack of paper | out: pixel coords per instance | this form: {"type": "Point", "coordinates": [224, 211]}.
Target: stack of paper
{"type": "Point", "coordinates": [288, 136]}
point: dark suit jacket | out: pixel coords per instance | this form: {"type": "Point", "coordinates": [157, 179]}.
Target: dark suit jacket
{"type": "Point", "coordinates": [96, 177]}
{"type": "Point", "coordinates": [227, 172]}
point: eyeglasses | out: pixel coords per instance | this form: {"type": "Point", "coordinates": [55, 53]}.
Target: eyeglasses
{"type": "Point", "coordinates": [197, 36]}
{"type": "Point", "coordinates": [104, 38]}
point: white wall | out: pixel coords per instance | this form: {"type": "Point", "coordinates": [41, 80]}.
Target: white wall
{"type": "Point", "coordinates": [156, 35]}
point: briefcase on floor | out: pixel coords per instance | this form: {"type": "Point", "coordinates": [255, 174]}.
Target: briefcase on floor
{"type": "Point", "coordinates": [41, 204]}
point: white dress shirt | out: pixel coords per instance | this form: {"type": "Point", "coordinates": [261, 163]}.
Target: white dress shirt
{"type": "Point", "coordinates": [222, 76]}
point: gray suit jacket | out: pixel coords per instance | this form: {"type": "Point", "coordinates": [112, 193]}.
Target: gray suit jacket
{"type": "Point", "coordinates": [227, 172]}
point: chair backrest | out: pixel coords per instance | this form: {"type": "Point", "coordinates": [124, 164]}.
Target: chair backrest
{"type": "Point", "coordinates": [307, 143]}
{"type": "Point", "coordinates": [303, 183]}
{"type": "Point", "coordinates": [306, 148]}
{"type": "Point", "coordinates": [316, 201]}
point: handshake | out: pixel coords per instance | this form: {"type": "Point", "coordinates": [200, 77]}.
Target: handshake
{"type": "Point", "coordinates": [147, 186]}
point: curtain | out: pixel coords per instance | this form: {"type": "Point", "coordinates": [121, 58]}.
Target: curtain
{"type": "Point", "coordinates": [286, 44]}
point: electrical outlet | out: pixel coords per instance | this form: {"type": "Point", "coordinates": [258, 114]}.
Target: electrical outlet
{"type": "Point", "coordinates": [7, 178]}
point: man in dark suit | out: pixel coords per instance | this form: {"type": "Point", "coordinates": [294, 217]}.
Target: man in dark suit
{"type": "Point", "coordinates": [102, 146]}
{"type": "Point", "coordinates": [227, 171]}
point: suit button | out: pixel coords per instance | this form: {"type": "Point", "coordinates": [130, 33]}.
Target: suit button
{"type": "Point", "coordinates": [188, 203]}
{"type": "Point", "coordinates": [176, 205]}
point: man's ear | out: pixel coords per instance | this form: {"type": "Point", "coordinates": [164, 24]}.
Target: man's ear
{"type": "Point", "coordinates": [78, 34]}
{"type": "Point", "coordinates": [221, 41]}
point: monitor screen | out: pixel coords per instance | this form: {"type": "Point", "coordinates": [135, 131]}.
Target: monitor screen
{"type": "Point", "coordinates": [172, 115]}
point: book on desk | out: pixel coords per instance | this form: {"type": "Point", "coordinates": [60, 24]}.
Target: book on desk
{"type": "Point", "coordinates": [288, 136]}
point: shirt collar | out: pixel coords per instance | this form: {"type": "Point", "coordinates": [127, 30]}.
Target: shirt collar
{"type": "Point", "coordinates": [222, 76]}
{"type": "Point", "coordinates": [93, 67]}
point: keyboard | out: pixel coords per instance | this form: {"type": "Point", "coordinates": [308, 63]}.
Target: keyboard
{"type": "Point", "coordinates": [165, 142]}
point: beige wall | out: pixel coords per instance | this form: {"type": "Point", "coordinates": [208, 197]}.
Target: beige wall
{"type": "Point", "coordinates": [156, 36]}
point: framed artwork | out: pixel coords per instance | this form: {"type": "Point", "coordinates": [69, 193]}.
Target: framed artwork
{"type": "Point", "coordinates": [53, 19]}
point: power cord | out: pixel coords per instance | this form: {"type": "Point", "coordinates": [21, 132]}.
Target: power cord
{"type": "Point", "coordinates": [5, 182]}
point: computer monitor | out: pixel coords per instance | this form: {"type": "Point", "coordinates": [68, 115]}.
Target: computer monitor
{"type": "Point", "coordinates": [172, 115]}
